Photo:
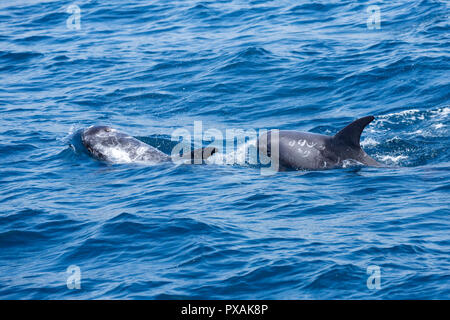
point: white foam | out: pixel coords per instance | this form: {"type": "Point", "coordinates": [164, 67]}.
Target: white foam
{"type": "Point", "coordinates": [369, 142]}
{"type": "Point", "coordinates": [442, 112]}
{"type": "Point", "coordinates": [241, 155]}
{"type": "Point", "coordinates": [351, 163]}
{"type": "Point", "coordinates": [405, 114]}
{"type": "Point", "coordinates": [392, 159]}
{"type": "Point", "coordinates": [400, 113]}
{"type": "Point", "coordinates": [71, 130]}
{"type": "Point", "coordinates": [413, 114]}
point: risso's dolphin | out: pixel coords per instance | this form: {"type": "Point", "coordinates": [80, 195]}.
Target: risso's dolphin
{"type": "Point", "coordinates": [293, 150]}
{"type": "Point", "coordinates": [108, 144]}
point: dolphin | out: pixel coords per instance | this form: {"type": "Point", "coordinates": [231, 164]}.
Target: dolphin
{"type": "Point", "coordinates": [110, 145]}
{"type": "Point", "coordinates": [293, 150]}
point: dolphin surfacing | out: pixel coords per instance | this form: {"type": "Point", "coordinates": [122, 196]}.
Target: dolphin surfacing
{"type": "Point", "coordinates": [110, 145]}
{"type": "Point", "coordinates": [309, 151]}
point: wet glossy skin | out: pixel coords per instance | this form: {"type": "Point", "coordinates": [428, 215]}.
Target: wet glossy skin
{"type": "Point", "coordinates": [308, 151]}
{"type": "Point", "coordinates": [108, 144]}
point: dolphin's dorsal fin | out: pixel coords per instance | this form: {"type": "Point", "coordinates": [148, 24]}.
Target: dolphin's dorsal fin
{"type": "Point", "coordinates": [198, 155]}
{"type": "Point", "coordinates": [203, 153]}
{"type": "Point", "coordinates": [351, 134]}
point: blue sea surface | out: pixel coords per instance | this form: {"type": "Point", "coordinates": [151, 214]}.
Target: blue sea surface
{"type": "Point", "coordinates": [218, 231]}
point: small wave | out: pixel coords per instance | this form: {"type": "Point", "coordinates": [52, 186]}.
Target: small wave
{"type": "Point", "coordinates": [392, 159]}
{"type": "Point", "coordinates": [402, 116]}
{"type": "Point", "coordinates": [14, 57]}
{"type": "Point", "coordinates": [412, 115]}
{"type": "Point", "coordinates": [348, 163]}
{"type": "Point", "coordinates": [441, 112]}
{"type": "Point", "coordinates": [369, 142]}
{"type": "Point", "coordinates": [242, 155]}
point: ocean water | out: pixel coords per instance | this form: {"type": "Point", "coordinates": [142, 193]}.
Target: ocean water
{"type": "Point", "coordinates": [218, 231]}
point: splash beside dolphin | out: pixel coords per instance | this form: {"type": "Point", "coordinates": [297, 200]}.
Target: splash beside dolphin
{"type": "Point", "coordinates": [293, 150]}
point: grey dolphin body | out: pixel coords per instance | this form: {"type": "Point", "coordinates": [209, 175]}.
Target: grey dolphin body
{"type": "Point", "coordinates": [308, 151]}
{"type": "Point", "coordinates": [111, 145]}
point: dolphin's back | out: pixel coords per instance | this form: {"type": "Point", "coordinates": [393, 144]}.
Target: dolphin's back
{"type": "Point", "coordinates": [108, 144]}
{"type": "Point", "coordinates": [309, 151]}
{"type": "Point", "coordinates": [303, 150]}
